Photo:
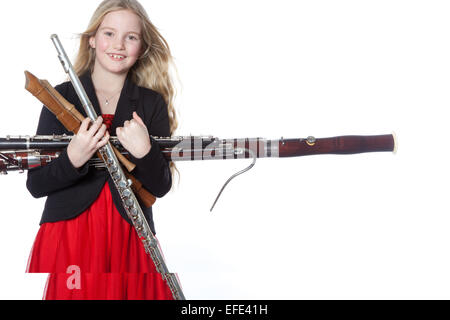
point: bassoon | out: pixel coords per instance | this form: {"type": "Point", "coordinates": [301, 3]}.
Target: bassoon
{"type": "Point", "coordinates": [28, 152]}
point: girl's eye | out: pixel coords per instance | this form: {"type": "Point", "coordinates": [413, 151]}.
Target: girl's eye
{"type": "Point", "coordinates": [108, 33]}
{"type": "Point", "coordinates": [131, 37]}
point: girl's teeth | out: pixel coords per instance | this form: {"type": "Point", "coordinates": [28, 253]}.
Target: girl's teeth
{"type": "Point", "coordinates": [116, 57]}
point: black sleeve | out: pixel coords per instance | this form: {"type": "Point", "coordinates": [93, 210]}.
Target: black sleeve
{"type": "Point", "coordinates": [60, 173]}
{"type": "Point", "coordinates": [153, 170]}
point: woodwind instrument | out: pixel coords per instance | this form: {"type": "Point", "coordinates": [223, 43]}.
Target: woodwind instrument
{"type": "Point", "coordinates": [23, 153]}
{"type": "Point", "coordinates": [123, 185]}
{"type": "Point", "coordinates": [71, 119]}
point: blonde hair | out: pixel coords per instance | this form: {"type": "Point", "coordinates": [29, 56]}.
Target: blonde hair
{"type": "Point", "coordinates": [151, 70]}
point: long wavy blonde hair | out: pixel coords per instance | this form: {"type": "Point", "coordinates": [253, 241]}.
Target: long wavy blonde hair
{"type": "Point", "coordinates": [151, 70]}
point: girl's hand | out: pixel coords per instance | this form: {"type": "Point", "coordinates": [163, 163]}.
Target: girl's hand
{"type": "Point", "coordinates": [134, 137]}
{"type": "Point", "coordinates": [87, 141]}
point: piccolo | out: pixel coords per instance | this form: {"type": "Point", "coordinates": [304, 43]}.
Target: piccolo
{"type": "Point", "coordinates": [19, 153]}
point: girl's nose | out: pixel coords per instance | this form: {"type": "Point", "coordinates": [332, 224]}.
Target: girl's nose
{"type": "Point", "coordinates": [118, 44]}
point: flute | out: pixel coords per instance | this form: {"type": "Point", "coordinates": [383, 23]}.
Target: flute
{"type": "Point", "coordinates": [122, 184]}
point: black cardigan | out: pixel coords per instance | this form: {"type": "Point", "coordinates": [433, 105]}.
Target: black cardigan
{"type": "Point", "coordinates": [71, 191]}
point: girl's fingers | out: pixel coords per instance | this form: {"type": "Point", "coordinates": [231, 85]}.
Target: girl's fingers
{"type": "Point", "coordinates": [103, 141]}
{"type": "Point", "coordinates": [100, 133]}
{"type": "Point", "coordinates": [106, 138]}
{"type": "Point", "coordinates": [95, 126]}
{"type": "Point", "coordinates": [138, 119]}
{"type": "Point", "coordinates": [84, 125]}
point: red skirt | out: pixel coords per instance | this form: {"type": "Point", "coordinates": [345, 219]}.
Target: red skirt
{"type": "Point", "coordinates": [95, 256]}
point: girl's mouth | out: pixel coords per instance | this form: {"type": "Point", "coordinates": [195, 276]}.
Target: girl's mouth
{"type": "Point", "coordinates": [116, 57]}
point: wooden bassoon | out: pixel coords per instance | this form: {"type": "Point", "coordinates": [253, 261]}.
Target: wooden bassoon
{"type": "Point", "coordinates": [28, 152]}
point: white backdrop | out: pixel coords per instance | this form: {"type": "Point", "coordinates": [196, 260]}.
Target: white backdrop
{"type": "Point", "coordinates": [370, 226]}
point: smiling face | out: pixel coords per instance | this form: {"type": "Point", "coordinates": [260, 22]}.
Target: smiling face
{"type": "Point", "coordinates": [117, 42]}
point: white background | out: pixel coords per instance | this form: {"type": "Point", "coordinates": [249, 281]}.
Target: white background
{"type": "Point", "coordinates": [369, 226]}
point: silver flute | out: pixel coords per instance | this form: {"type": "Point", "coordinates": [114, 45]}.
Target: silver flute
{"type": "Point", "coordinates": [123, 185]}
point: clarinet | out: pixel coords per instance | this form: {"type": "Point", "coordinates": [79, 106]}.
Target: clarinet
{"type": "Point", "coordinates": [129, 200]}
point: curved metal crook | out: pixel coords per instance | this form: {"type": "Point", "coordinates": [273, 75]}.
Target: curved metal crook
{"type": "Point", "coordinates": [236, 174]}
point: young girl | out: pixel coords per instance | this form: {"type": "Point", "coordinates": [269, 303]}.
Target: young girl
{"type": "Point", "coordinates": [86, 241]}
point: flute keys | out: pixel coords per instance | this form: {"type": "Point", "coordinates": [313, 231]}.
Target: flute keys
{"type": "Point", "coordinates": [116, 176]}
{"type": "Point", "coordinates": [133, 212]}
{"type": "Point", "coordinates": [151, 243]}
{"type": "Point", "coordinates": [123, 184]}
{"type": "Point", "coordinates": [126, 193]}
{"type": "Point", "coordinates": [129, 202]}
{"type": "Point", "coordinates": [143, 232]}
{"type": "Point", "coordinates": [138, 221]}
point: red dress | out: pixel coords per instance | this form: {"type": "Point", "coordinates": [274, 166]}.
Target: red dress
{"type": "Point", "coordinates": [96, 256]}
